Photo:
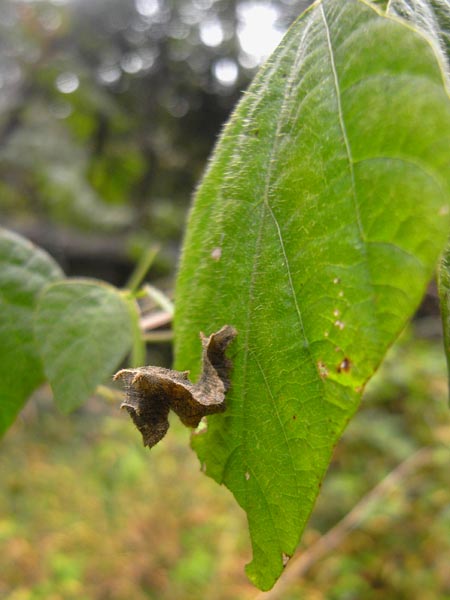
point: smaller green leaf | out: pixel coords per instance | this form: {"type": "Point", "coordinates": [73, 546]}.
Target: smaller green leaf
{"type": "Point", "coordinates": [24, 271]}
{"type": "Point", "coordinates": [84, 329]}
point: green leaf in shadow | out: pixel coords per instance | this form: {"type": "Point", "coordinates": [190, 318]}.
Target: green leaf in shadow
{"type": "Point", "coordinates": [84, 328]}
{"type": "Point", "coordinates": [24, 271]}
{"type": "Point", "coordinates": [314, 233]}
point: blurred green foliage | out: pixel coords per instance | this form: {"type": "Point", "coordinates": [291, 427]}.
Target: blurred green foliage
{"type": "Point", "coordinates": [108, 112]}
{"type": "Point", "coordinates": [86, 512]}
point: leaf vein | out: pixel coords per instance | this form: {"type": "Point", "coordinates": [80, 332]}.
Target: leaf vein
{"type": "Point", "coordinates": [342, 124]}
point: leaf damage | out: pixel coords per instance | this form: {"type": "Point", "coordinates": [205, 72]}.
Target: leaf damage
{"type": "Point", "coordinates": [153, 391]}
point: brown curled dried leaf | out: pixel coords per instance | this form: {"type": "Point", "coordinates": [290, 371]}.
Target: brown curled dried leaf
{"type": "Point", "coordinates": [153, 391]}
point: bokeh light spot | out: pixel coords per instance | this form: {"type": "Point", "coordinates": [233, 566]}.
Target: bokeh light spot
{"type": "Point", "coordinates": [257, 33]}
{"type": "Point", "coordinates": [67, 83]}
{"type": "Point", "coordinates": [147, 8]}
{"type": "Point", "coordinates": [226, 71]}
{"type": "Point", "coordinates": [211, 33]}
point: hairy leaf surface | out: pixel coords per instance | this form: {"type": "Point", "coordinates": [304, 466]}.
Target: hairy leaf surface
{"type": "Point", "coordinates": [314, 233]}
{"type": "Point", "coordinates": [84, 328]}
{"type": "Point", "coordinates": [432, 17]}
{"type": "Point", "coordinates": [24, 271]}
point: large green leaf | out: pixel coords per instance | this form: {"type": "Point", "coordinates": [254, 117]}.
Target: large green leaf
{"type": "Point", "coordinates": [432, 17]}
{"type": "Point", "coordinates": [24, 271]}
{"type": "Point", "coordinates": [83, 328]}
{"type": "Point", "coordinates": [314, 233]}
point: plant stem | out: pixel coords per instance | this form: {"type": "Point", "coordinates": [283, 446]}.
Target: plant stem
{"type": "Point", "coordinates": [155, 337]}
{"type": "Point", "coordinates": [137, 357]}
{"type": "Point", "coordinates": [155, 320]}
{"type": "Point", "coordinates": [143, 265]}
{"type": "Point", "coordinates": [160, 298]}
{"type": "Point", "coordinates": [109, 394]}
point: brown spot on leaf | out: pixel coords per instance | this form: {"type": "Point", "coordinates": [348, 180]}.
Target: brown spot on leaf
{"type": "Point", "coordinates": [153, 391]}
{"type": "Point", "coordinates": [294, 417]}
{"type": "Point", "coordinates": [322, 368]}
{"type": "Point", "coordinates": [216, 253]}
{"type": "Point", "coordinates": [344, 366]}
{"type": "Point", "coordinates": [247, 475]}
{"type": "Point", "coordinates": [286, 558]}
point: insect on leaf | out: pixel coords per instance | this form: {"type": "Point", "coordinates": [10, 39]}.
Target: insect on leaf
{"type": "Point", "coordinates": [153, 391]}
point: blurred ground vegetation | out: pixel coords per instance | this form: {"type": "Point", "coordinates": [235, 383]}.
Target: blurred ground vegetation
{"type": "Point", "coordinates": [87, 513]}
